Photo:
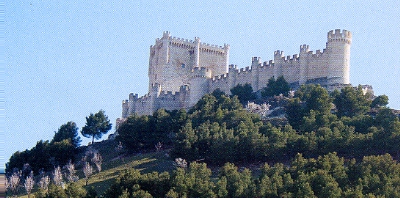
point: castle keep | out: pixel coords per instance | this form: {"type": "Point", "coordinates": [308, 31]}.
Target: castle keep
{"type": "Point", "coordinates": [181, 71]}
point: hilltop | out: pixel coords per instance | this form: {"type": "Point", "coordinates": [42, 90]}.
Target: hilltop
{"type": "Point", "coordinates": [321, 143]}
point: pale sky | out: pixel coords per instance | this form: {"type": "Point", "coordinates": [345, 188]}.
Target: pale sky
{"type": "Point", "coordinates": [67, 59]}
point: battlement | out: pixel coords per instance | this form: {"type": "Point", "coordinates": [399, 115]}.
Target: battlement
{"type": "Point", "coordinates": [156, 87]}
{"type": "Point", "coordinates": [339, 36]}
{"type": "Point", "coordinates": [304, 48]}
{"type": "Point", "coordinates": [201, 72]}
{"type": "Point", "coordinates": [245, 70]}
{"type": "Point", "coordinates": [133, 96]}
{"type": "Point", "coordinates": [270, 63]}
{"type": "Point", "coordinates": [186, 43]}
{"type": "Point", "coordinates": [279, 54]}
{"type": "Point", "coordinates": [220, 77]}
{"type": "Point", "coordinates": [166, 34]}
{"type": "Point", "coordinates": [294, 58]}
{"type": "Point", "coordinates": [255, 60]}
{"type": "Point", "coordinates": [317, 54]}
{"type": "Point", "coordinates": [232, 66]}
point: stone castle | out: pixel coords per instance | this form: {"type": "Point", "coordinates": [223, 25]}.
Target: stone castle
{"type": "Point", "coordinates": [181, 71]}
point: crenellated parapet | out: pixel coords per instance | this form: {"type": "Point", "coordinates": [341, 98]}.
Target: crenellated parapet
{"type": "Point", "coordinates": [304, 48]}
{"type": "Point", "coordinates": [191, 44]}
{"type": "Point", "coordinates": [244, 70]}
{"type": "Point", "coordinates": [339, 36]}
{"type": "Point", "coordinates": [200, 72]}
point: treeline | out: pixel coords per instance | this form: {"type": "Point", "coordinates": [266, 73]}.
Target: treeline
{"type": "Point", "coordinates": [64, 146]}
{"type": "Point", "coordinates": [46, 155]}
{"type": "Point", "coordinates": [325, 176]}
{"type": "Point", "coordinates": [218, 130]}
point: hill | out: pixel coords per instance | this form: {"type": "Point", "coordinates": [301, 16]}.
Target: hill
{"type": "Point", "coordinates": [331, 145]}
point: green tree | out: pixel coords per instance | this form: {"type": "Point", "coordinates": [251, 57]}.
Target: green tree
{"type": "Point", "coordinates": [380, 101]}
{"type": "Point", "coordinates": [351, 102]}
{"type": "Point", "coordinates": [67, 131]}
{"type": "Point", "coordinates": [192, 182]}
{"type": "Point", "coordinates": [56, 191]}
{"type": "Point", "coordinates": [135, 133]}
{"type": "Point", "coordinates": [302, 186]}
{"type": "Point", "coordinates": [62, 152]}
{"type": "Point", "coordinates": [183, 144]}
{"type": "Point", "coordinates": [318, 100]}
{"type": "Point", "coordinates": [324, 185]}
{"type": "Point", "coordinates": [96, 125]}
{"type": "Point", "coordinates": [239, 184]}
{"type": "Point", "coordinates": [276, 87]}
{"type": "Point", "coordinates": [163, 126]}
{"type": "Point", "coordinates": [75, 191]}
{"type": "Point", "coordinates": [295, 112]}
{"type": "Point", "coordinates": [218, 93]}
{"type": "Point", "coordinates": [243, 92]}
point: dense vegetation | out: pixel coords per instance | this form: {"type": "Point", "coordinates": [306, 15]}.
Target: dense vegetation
{"type": "Point", "coordinates": [337, 144]}
{"type": "Point", "coordinates": [217, 129]}
{"type": "Point", "coordinates": [321, 127]}
{"type": "Point", "coordinates": [325, 176]}
{"type": "Point", "coordinates": [48, 154]}
{"type": "Point", "coordinates": [61, 149]}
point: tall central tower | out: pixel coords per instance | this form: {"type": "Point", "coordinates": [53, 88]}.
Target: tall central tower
{"type": "Point", "coordinates": [172, 60]}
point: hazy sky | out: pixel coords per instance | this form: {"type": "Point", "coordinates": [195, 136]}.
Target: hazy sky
{"type": "Point", "coordinates": [67, 59]}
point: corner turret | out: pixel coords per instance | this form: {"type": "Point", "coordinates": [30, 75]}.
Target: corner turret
{"type": "Point", "coordinates": [338, 49]}
{"type": "Point", "coordinates": [166, 34]}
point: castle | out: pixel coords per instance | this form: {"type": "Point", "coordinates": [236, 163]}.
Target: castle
{"type": "Point", "coordinates": [181, 71]}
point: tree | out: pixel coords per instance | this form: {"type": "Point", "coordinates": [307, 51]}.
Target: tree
{"type": "Point", "coordinates": [13, 182]}
{"type": "Point", "coordinates": [380, 101]}
{"type": "Point", "coordinates": [282, 86]}
{"type": "Point", "coordinates": [239, 184]}
{"type": "Point", "coordinates": [44, 183]}
{"type": "Point", "coordinates": [295, 112]}
{"type": "Point", "coordinates": [97, 160]}
{"type": "Point", "coordinates": [96, 125]}
{"type": "Point", "coordinates": [56, 191]}
{"type": "Point", "coordinates": [29, 182]}
{"type": "Point", "coordinates": [318, 100]}
{"type": "Point", "coordinates": [62, 152]}
{"type": "Point", "coordinates": [75, 191]}
{"type": "Point", "coordinates": [87, 171]}
{"type": "Point", "coordinates": [243, 92]}
{"type": "Point", "coordinates": [67, 131]}
{"type": "Point", "coordinates": [351, 102]}
{"type": "Point", "coordinates": [57, 176]}
{"type": "Point", "coordinates": [276, 87]}
{"type": "Point", "coordinates": [70, 175]}
{"type": "Point", "coordinates": [134, 133]}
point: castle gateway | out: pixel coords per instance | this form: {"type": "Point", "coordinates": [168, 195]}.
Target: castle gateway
{"type": "Point", "coordinates": [181, 71]}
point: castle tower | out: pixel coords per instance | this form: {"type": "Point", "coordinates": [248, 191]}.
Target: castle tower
{"type": "Point", "coordinates": [255, 74]}
{"type": "Point", "coordinates": [304, 49]}
{"type": "Point", "coordinates": [172, 60]}
{"type": "Point", "coordinates": [154, 93]}
{"type": "Point", "coordinates": [338, 50]}
{"type": "Point", "coordinates": [278, 60]}
{"type": "Point", "coordinates": [198, 84]}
